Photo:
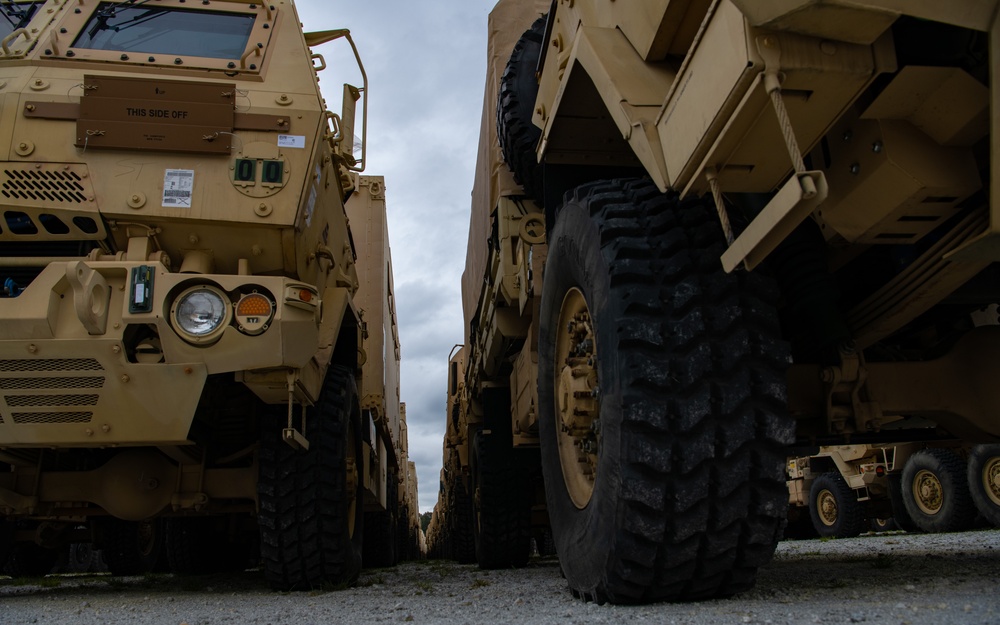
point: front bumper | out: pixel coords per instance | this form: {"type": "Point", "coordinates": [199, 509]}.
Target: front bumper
{"type": "Point", "coordinates": [78, 369]}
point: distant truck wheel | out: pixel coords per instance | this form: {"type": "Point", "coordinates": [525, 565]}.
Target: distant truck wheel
{"type": "Point", "coordinates": [195, 546]}
{"type": "Point", "coordinates": [984, 481]}
{"type": "Point", "coordinates": [500, 507]}
{"type": "Point", "coordinates": [81, 558]}
{"type": "Point", "coordinates": [30, 560]}
{"type": "Point", "coordinates": [661, 401]}
{"type": "Point", "coordinates": [380, 549]}
{"type": "Point", "coordinates": [311, 503]}
{"type": "Point", "coordinates": [834, 508]}
{"type": "Point", "coordinates": [884, 525]}
{"type": "Point", "coordinates": [935, 491]}
{"type": "Point", "coordinates": [132, 547]}
{"type": "Point", "coordinates": [518, 136]}
{"type": "Point", "coordinates": [899, 513]}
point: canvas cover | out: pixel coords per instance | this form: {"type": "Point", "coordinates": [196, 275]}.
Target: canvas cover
{"type": "Point", "coordinates": [507, 22]}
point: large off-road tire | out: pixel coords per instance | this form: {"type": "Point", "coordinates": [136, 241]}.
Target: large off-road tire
{"type": "Point", "coordinates": [899, 512]}
{"type": "Point", "coordinates": [463, 533]}
{"type": "Point", "coordinates": [518, 136]}
{"type": "Point", "coordinates": [7, 530]}
{"type": "Point", "coordinates": [132, 547]}
{"type": "Point", "coordinates": [76, 558]}
{"type": "Point", "coordinates": [30, 560]}
{"type": "Point", "coordinates": [195, 546]}
{"type": "Point", "coordinates": [984, 481]}
{"type": "Point", "coordinates": [799, 525]}
{"type": "Point", "coordinates": [380, 549]}
{"type": "Point", "coordinates": [501, 507]}
{"type": "Point", "coordinates": [935, 491]}
{"type": "Point", "coordinates": [883, 525]}
{"type": "Point", "coordinates": [311, 502]}
{"type": "Point", "coordinates": [666, 480]}
{"type": "Point", "coordinates": [834, 508]}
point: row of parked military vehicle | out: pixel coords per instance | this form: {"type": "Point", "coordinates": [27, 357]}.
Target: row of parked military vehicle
{"type": "Point", "coordinates": [940, 486]}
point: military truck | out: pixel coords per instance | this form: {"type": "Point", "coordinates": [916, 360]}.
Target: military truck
{"type": "Point", "coordinates": [929, 486]}
{"type": "Point", "coordinates": [182, 350]}
{"type": "Point", "coordinates": [707, 236]}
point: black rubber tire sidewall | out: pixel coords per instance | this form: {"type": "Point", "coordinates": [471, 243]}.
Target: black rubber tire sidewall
{"type": "Point", "coordinates": [850, 519]}
{"type": "Point", "coordinates": [958, 511]}
{"type": "Point", "coordinates": [122, 550]}
{"type": "Point", "coordinates": [585, 542]}
{"type": "Point", "coordinates": [518, 90]}
{"type": "Point", "coordinates": [978, 457]}
{"type": "Point", "coordinates": [899, 512]}
{"type": "Point", "coordinates": [305, 537]}
{"type": "Point", "coordinates": [697, 391]}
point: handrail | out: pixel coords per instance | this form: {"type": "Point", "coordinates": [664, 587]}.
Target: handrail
{"type": "Point", "coordinates": [5, 43]}
{"type": "Point", "coordinates": [331, 35]}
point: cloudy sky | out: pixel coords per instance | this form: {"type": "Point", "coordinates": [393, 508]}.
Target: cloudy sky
{"type": "Point", "coordinates": [426, 63]}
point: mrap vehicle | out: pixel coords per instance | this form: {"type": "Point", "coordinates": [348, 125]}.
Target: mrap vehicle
{"type": "Point", "coordinates": [706, 236]}
{"type": "Point", "coordinates": [181, 345]}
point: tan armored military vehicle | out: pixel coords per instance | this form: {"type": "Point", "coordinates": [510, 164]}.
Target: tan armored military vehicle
{"type": "Point", "coordinates": [181, 346]}
{"type": "Point", "coordinates": [843, 490]}
{"type": "Point", "coordinates": [707, 236]}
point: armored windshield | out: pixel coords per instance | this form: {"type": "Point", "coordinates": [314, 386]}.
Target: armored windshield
{"type": "Point", "coordinates": [14, 15]}
{"type": "Point", "coordinates": [138, 28]}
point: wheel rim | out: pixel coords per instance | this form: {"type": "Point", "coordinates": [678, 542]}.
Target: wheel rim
{"type": "Point", "coordinates": [145, 538]}
{"type": "Point", "coordinates": [928, 492]}
{"type": "Point", "coordinates": [826, 505]}
{"type": "Point", "coordinates": [576, 390]}
{"type": "Point", "coordinates": [991, 479]}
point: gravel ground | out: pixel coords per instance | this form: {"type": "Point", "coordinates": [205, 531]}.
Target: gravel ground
{"type": "Point", "coordinates": [896, 578]}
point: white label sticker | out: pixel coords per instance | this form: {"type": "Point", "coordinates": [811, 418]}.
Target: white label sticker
{"type": "Point", "coordinates": [140, 293]}
{"type": "Point", "coordinates": [178, 185]}
{"type": "Point", "coordinates": [291, 141]}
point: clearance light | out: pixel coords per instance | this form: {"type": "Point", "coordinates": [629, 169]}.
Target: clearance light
{"type": "Point", "coordinates": [302, 296]}
{"type": "Point", "coordinates": [253, 313]}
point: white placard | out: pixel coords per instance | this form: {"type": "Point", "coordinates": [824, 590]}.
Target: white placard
{"type": "Point", "coordinates": [178, 185]}
{"type": "Point", "coordinates": [291, 141]}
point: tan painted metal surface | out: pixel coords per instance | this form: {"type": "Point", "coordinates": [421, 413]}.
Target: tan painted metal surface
{"type": "Point", "coordinates": [138, 184]}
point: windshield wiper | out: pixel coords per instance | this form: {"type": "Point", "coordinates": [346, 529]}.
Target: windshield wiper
{"type": "Point", "coordinates": [111, 11]}
{"type": "Point", "coordinates": [15, 10]}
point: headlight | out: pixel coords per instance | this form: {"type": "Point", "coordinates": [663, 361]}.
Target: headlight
{"type": "Point", "coordinates": [200, 314]}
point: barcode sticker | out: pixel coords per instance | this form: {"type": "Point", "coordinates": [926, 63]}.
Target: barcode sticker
{"type": "Point", "coordinates": [178, 185]}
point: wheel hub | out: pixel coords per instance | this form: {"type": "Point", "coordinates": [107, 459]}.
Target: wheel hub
{"type": "Point", "coordinates": [146, 538]}
{"type": "Point", "coordinates": [577, 397]}
{"type": "Point", "coordinates": [928, 492]}
{"type": "Point", "coordinates": [827, 507]}
{"type": "Point", "coordinates": [991, 479]}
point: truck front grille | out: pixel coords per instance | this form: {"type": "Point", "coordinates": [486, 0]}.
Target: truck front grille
{"type": "Point", "coordinates": [49, 390]}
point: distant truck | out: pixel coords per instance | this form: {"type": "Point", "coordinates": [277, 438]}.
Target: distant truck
{"type": "Point", "coordinates": [706, 236]}
{"type": "Point", "coordinates": [182, 353]}
{"type": "Point", "coordinates": [932, 486]}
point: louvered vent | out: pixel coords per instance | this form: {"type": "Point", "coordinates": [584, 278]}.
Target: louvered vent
{"type": "Point", "coordinates": [49, 391]}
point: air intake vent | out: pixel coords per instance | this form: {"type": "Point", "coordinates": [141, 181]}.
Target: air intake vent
{"type": "Point", "coordinates": [49, 391]}
{"type": "Point", "coordinates": [48, 202]}
{"type": "Point", "coordinates": [43, 186]}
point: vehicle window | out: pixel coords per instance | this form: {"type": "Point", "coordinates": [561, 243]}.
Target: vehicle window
{"type": "Point", "coordinates": [137, 28]}
{"type": "Point", "coordinates": [14, 15]}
